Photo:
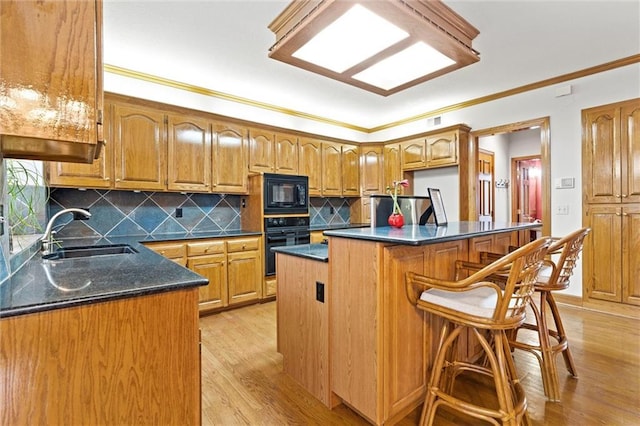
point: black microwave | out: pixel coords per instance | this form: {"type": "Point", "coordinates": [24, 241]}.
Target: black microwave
{"type": "Point", "coordinates": [286, 194]}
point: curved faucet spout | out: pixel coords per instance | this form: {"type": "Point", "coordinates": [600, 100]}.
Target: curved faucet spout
{"type": "Point", "coordinates": [47, 237]}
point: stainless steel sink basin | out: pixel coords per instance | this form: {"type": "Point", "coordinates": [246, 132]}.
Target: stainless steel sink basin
{"type": "Point", "coordinates": [89, 251]}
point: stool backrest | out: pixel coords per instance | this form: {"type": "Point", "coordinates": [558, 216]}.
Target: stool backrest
{"type": "Point", "coordinates": [569, 248]}
{"type": "Point", "coordinates": [526, 263]}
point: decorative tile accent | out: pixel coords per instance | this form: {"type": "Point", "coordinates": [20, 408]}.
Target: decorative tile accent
{"type": "Point", "coordinates": [320, 211]}
{"type": "Point", "coordinates": [115, 213]}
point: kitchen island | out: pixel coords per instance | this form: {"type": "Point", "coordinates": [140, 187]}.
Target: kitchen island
{"type": "Point", "coordinates": [380, 348]}
{"type": "Point", "coordinates": [107, 339]}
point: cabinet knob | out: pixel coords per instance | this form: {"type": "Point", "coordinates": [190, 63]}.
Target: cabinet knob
{"type": "Point", "coordinates": [624, 195]}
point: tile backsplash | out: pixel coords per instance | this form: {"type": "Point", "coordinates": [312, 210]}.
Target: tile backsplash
{"type": "Point", "coordinates": [118, 213]}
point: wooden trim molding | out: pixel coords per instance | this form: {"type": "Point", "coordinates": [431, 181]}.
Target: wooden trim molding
{"type": "Point", "coordinates": [629, 60]}
{"type": "Point", "coordinates": [545, 157]}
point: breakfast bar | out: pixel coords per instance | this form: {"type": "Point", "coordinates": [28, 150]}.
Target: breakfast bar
{"type": "Point", "coordinates": [370, 348]}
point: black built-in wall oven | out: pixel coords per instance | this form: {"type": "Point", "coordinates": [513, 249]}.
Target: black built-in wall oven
{"type": "Point", "coordinates": [286, 214]}
{"type": "Point", "coordinates": [283, 231]}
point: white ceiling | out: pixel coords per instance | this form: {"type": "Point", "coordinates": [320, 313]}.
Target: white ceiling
{"type": "Point", "coordinates": [223, 45]}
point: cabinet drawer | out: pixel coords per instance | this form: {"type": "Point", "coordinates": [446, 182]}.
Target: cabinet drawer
{"type": "Point", "coordinates": [205, 247]}
{"type": "Point", "coordinates": [242, 244]}
{"type": "Point", "coordinates": [169, 250]}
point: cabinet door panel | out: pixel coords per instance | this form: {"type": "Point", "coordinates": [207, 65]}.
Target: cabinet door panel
{"type": "Point", "coordinates": [189, 154]}
{"type": "Point", "coordinates": [213, 295]}
{"type": "Point", "coordinates": [350, 171]}
{"type": "Point", "coordinates": [442, 150]}
{"type": "Point", "coordinates": [371, 170]}
{"type": "Point", "coordinates": [392, 169]}
{"type": "Point", "coordinates": [229, 158]}
{"type": "Point", "coordinates": [261, 151]}
{"type": "Point", "coordinates": [630, 168]}
{"type": "Point", "coordinates": [245, 278]}
{"type": "Point", "coordinates": [631, 255]}
{"type": "Point", "coordinates": [601, 152]}
{"type": "Point", "coordinates": [413, 154]}
{"type": "Point", "coordinates": [140, 146]}
{"type": "Point", "coordinates": [602, 278]}
{"type": "Point", "coordinates": [51, 50]}
{"type": "Point", "coordinates": [310, 164]}
{"type": "Point", "coordinates": [331, 169]}
{"type": "Point", "coordinates": [286, 147]}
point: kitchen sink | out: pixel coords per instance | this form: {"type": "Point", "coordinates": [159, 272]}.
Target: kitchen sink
{"type": "Point", "coordinates": [89, 251]}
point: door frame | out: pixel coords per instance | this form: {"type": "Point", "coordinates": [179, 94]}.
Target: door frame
{"type": "Point", "coordinates": [545, 156]}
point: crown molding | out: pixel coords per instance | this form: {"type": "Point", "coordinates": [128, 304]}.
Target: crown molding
{"type": "Point", "coordinates": [629, 60]}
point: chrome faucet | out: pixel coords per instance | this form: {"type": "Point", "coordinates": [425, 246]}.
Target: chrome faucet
{"type": "Point", "coordinates": [47, 238]}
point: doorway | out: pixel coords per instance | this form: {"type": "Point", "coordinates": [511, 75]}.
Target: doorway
{"type": "Point", "coordinates": [503, 182]}
{"type": "Point", "coordinates": [526, 191]}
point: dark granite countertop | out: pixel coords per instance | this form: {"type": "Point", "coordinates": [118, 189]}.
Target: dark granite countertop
{"type": "Point", "coordinates": [42, 285]}
{"type": "Point", "coordinates": [428, 234]}
{"type": "Point", "coordinates": [326, 227]}
{"type": "Point", "coordinates": [319, 251]}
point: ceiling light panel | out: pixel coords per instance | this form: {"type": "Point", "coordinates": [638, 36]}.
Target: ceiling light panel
{"type": "Point", "coordinates": [412, 63]}
{"type": "Point", "coordinates": [383, 46]}
{"type": "Point", "coordinates": [353, 37]}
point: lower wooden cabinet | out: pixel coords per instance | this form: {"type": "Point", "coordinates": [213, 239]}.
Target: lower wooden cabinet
{"type": "Point", "coordinates": [233, 267]}
{"type": "Point", "coordinates": [173, 251]}
{"type": "Point", "coordinates": [125, 361]}
{"type": "Point", "coordinates": [612, 253]}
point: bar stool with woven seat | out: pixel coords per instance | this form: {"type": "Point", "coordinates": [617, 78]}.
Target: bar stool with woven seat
{"type": "Point", "coordinates": [549, 342]}
{"type": "Point", "coordinates": [489, 311]}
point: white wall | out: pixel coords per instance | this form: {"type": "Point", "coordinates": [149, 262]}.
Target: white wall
{"type": "Point", "coordinates": [446, 179]}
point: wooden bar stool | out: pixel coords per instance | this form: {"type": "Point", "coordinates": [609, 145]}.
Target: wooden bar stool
{"type": "Point", "coordinates": [554, 276]}
{"type": "Point", "coordinates": [488, 311]}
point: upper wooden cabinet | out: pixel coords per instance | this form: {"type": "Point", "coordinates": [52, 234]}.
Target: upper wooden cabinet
{"type": "Point", "coordinates": [155, 150]}
{"type": "Point", "coordinates": [310, 164]}
{"type": "Point", "coordinates": [371, 169]}
{"type": "Point", "coordinates": [350, 171]}
{"type": "Point", "coordinates": [51, 72]}
{"type": "Point", "coordinates": [442, 149]}
{"type": "Point", "coordinates": [261, 150]}
{"type": "Point", "coordinates": [331, 169]}
{"type": "Point", "coordinates": [189, 153]}
{"type": "Point", "coordinates": [229, 158]}
{"type": "Point", "coordinates": [438, 150]}
{"type": "Point", "coordinates": [286, 148]}
{"type": "Point", "coordinates": [392, 167]}
{"type": "Point", "coordinates": [140, 146]}
{"type": "Point", "coordinates": [98, 174]}
{"type": "Point", "coordinates": [413, 154]}
{"type": "Point", "coordinates": [611, 152]}
{"type": "Point", "coordinates": [271, 152]}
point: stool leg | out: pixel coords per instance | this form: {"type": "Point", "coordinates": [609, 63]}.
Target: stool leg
{"type": "Point", "coordinates": [562, 336]}
{"type": "Point", "coordinates": [429, 408]}
{"type": "Point", "coordinates": [548, 366]}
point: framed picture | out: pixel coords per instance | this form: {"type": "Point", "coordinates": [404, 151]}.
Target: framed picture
{"type": "Point", "coordinates": [438, 207]}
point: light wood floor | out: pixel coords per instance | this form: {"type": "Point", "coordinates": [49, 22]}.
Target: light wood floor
{"type": "Point", "coordinates": [243, 382]}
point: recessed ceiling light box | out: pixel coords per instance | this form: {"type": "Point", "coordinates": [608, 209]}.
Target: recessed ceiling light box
{"type": "Point", "coordinates": [383, 46]}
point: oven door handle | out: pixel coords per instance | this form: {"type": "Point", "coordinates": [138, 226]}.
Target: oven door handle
{"type": "Point", "coordinates": [279, 237]}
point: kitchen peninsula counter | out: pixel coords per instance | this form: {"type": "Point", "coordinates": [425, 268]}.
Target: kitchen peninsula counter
{"type": "Point", "coordinates": [368, 346]}
{"type": "Point", "coordinates": [78, 333]}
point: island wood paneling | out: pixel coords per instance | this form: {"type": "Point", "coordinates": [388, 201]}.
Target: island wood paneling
{"type": "Point", "coordinates": [303, 324]}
